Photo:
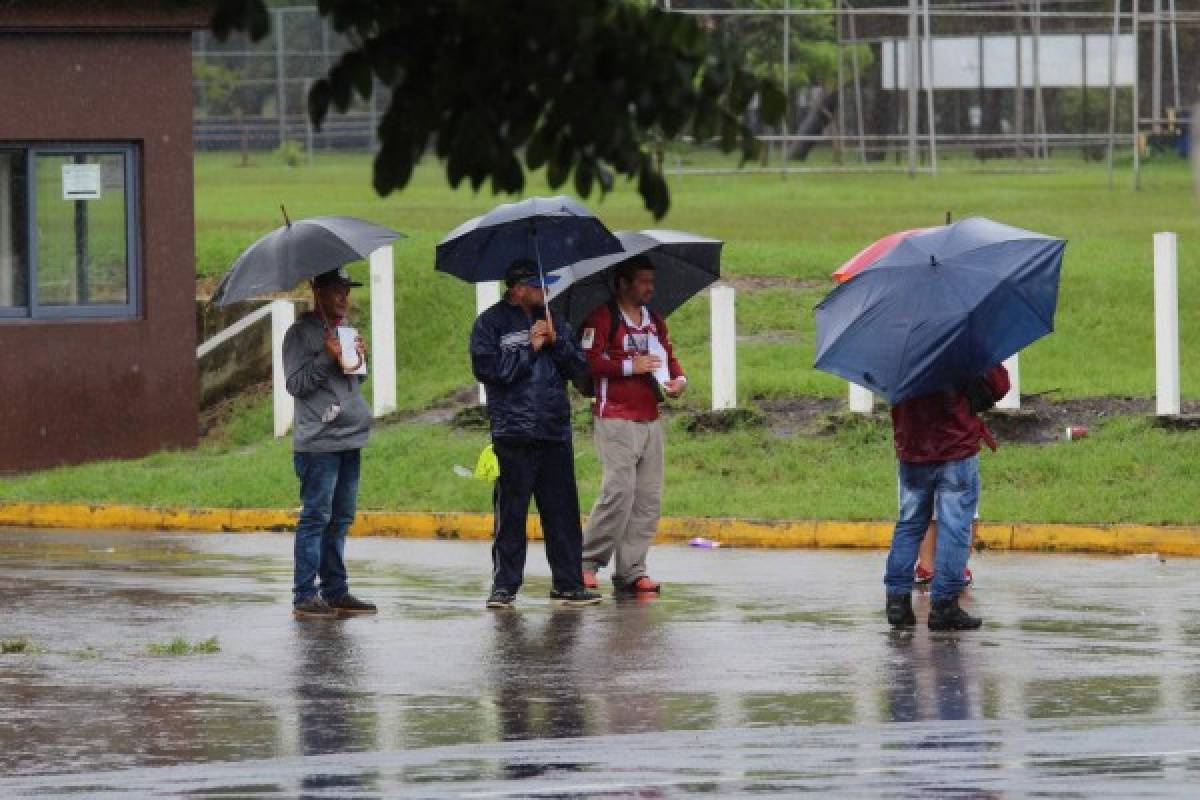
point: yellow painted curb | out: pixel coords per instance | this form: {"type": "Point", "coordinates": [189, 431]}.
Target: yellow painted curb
{"type": "Point", "coordinates": [730, 532]}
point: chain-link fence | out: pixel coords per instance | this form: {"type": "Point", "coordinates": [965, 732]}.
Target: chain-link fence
{"type": "Point", "coordinates": [897, 84]}
{"type": "Point", "coordinates": [253, 95]}
{"type": "Point", "coordinates": [903, 84]}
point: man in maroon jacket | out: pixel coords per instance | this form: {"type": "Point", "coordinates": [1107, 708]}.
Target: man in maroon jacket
{"type": "Point", "coordinates": [632, 365]}
{"type": "Point", "coordinates": [937, 443]}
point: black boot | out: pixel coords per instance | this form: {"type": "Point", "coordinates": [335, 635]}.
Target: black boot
{"type": "Point", "coordinates": [946, 615]}
{"type": "Point", "coordinates": [899, 610]}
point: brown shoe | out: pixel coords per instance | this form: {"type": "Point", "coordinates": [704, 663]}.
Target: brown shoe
{"type": "Point", "coordinates": [350, 606]}
{"type": "Point", "coordinates": [314, 607]}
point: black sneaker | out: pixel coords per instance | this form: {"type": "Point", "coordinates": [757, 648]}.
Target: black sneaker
{"type": "Point", "coordinates": [575, 597]}
{"type": "Point", "coordinates": [946, 615]}
{"type": "Point", "coordinates": [350, 606]}
{"type": "Point", "coordinates": [900, 611]}
{"type": "Point", "coordinates": [314, 607]}
{"type": "Point", "coordinates": [501, 598]}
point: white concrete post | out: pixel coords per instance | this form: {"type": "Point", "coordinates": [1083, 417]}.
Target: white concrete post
{"type": "Point", "coordinates": [724, 348]}
{"type": "Point", "coordinates": [487, 294]}
{"type": "Point", "coordinates": [1166, 324]}
{"type": "Point", "coordinates": [283, 314]}
{"type": "Point", "coordinates": [861, 399]}
{"type": "Point", "coordinates": [383, 332]}
{"type": "Point", "coordinates": [1012, 400]}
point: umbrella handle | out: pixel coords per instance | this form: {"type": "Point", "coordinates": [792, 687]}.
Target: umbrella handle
{"type": "Point", "coordinates": [549, 316]}
{"type": "Point", "coordinates": [537, 255]}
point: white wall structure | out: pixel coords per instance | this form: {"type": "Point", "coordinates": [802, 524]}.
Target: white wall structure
{"type": "Point", "coordinates": [1166, 324]}
{"type": "Point", "coordinates": [1012, 400]}
{"type": "Point", "coordinates": [487, 294]}
{"type": "Point", "coordinates": [861, 399]}
{"type": "Point", "coordinates": [383, 332]}
{"type": "Point", "coordinates": [283, 314]}
{"type": "Point", "coordinates": [990, 62]}
{"type": "Point", "coordinates": [724, 348]}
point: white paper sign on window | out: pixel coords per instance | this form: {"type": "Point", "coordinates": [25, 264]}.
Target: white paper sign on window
{"type": "Point", "coordinates": [81, 181]}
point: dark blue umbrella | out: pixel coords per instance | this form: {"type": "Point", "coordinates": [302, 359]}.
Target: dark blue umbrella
{"type": "Point", "coordinates": [684, 264]}
{"type": "Point", "coordinates": [940, 308]}
{"type": "Point", "coordinates": [552, 231]}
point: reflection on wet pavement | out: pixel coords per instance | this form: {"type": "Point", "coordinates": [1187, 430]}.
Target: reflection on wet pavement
{"type": "Point", "coordinates": [754, 673]}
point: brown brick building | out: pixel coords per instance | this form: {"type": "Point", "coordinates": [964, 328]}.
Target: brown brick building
{"type": "Point", "coordinates": [97, 262]}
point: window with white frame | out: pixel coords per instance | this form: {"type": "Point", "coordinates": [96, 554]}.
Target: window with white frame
{"type": "Point", "coordinates": [68, 231]}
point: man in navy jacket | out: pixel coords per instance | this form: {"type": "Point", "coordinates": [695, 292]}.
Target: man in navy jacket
{"type": "Point", "coordinates": [524, 361]}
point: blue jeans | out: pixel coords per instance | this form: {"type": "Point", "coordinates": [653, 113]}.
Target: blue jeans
{"type": "Point", "coordinates": [329, 492]}
{"type": "Point", "coordinates": [954, 486]}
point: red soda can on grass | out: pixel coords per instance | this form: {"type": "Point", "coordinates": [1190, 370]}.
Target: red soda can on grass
{"type": "Point", "coordinates": [1075, 432]}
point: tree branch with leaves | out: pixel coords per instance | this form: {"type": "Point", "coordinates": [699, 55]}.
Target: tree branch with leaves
{"type": "Point", "coordinates": [587, 89]}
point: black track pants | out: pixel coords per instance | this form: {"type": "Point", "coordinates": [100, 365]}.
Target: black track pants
{"type": "Point", "coordinates": [545, 471]}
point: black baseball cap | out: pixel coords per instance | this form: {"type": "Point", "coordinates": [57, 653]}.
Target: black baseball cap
{"type": "Point", "coordinates": [524, 270]}
{"type": "Point", "coordinates": [335, 277]}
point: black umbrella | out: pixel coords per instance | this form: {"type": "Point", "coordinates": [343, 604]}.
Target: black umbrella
{"type": "Point", "coordinates": [684, 263]}
{"type": "Point", "coordinates": [298, 251]}
{"type": "Point", "coordinates": [552, 231]}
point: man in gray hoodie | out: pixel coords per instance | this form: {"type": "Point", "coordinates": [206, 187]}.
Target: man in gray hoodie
{"type": "Point", "coordinates": [332, 425]}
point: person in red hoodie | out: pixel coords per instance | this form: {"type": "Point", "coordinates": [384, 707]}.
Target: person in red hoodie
{"type": "Point", "coordinates": [633, 367]}
{"type": "Point", "coordinates": [937, 440]}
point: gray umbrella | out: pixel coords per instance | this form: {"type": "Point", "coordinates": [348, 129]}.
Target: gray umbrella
{"type": "Point", "coordinates": [684, 263]}
{"type": "Point", "coordinates": [298, 251]}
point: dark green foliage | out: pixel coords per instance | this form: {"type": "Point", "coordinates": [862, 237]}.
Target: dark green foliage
{"type": "Point", "coordinates": [592, 88]}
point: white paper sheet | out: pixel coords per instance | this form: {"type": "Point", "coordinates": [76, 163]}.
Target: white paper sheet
{"type": "Point", "coordinates": [347, 335]}
{"type": "Point", "coordinates": [663, 373]}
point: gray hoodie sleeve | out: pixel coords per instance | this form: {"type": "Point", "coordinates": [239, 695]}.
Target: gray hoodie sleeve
{"type": "Point", "coordinates": [306, 371]}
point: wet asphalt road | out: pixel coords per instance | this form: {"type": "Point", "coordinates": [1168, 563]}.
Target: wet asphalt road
{"type": "Point", "coordinates": [756, 673]}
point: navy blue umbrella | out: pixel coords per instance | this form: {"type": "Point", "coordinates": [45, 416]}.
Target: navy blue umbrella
{"type": "Point", "coordinates": [552, 231]}
{"type": "Point", "coordinates": [940, 307]}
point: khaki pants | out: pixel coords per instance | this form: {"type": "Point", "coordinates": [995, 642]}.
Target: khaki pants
{"type": "Point", "coordinates": [625, 518]}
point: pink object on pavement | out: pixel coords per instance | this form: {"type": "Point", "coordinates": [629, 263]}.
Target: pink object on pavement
{"type": "Point", "coordinates": [700, 541]}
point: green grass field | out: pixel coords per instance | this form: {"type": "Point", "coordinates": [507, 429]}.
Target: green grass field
{"type": "Point", "coordinates": [784, 236]}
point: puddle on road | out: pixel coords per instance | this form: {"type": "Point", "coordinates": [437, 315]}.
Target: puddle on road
{"type": "Point", "coordinates": [55, 728]}
{"type": "Point", "coordinates": [741, 679]}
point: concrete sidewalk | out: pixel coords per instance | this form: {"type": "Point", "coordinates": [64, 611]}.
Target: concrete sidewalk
{"type": "Point", "coordinates": [730, 532]}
